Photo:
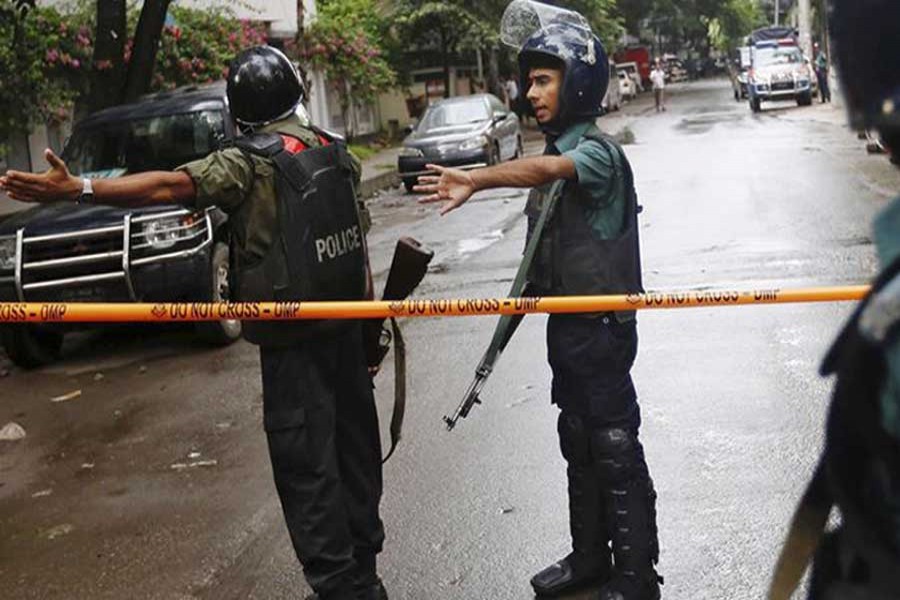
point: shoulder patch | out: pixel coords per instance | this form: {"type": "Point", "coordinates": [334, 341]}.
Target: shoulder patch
{"type": "Point", "coordinates": [882, 313]}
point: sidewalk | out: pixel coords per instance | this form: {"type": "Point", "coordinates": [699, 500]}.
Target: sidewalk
{"type": "Point", "coordinates": [380, 172]}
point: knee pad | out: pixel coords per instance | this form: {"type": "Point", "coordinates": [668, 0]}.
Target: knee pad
{"type": "Point", "coordinates": [618, 455]}
{"type": "Point", "coordinates": [574, 438]}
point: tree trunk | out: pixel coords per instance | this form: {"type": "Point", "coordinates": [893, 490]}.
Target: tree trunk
{"type": "Point", "coordinates": [109, 55]}
{"type": "Point", "coordinates": [146, 44]}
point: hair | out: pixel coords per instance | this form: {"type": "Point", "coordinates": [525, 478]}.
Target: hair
{"type": "Point", "coordinates": [539, 60]}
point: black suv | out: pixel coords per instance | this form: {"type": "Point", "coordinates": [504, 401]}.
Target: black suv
{"type": "Point", "coordinates": [63, 252]}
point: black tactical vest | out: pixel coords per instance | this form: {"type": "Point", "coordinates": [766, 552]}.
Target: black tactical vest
{"type": "Point", "coordinates": [861, 459]}
{"type": "Point", "coordinates": [319, 250]}
{"type": "Point", "coordinates": [571, 259]}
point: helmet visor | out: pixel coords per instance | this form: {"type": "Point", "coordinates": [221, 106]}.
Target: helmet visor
{"type": "Point", "coordinates": [522, 19]}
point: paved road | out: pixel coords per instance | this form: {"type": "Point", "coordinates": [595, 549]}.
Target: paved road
{"type": "Point", "coordinates": [154, 483]}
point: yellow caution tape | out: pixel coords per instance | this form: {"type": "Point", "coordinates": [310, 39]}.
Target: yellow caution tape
{"type": "Point", "coordinates": [54, 312]}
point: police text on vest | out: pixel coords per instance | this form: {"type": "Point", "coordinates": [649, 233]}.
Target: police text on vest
{"type": "Point", "coordinates": [338, 244]}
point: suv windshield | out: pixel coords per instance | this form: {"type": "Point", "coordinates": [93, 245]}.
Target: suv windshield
{"type": "Point", "coordinates": [155, 143]}
{"type": "Point", "coordinates": [778, 56]}
{"type": "Point", "coordinates": [454, 113]}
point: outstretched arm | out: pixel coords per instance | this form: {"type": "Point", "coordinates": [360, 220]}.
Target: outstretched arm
{"type": "Point", "coordinates": [141, 189]}
{"type": "Point", "coordinates": [454, 187]}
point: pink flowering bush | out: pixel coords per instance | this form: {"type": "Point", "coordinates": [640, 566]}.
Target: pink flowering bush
{"type": "Point", "coordinates": [198, 48]}
{"type": "Point", "coordinates": [350, 60]}
{"type": "Point", "coordinates": [46, 58]}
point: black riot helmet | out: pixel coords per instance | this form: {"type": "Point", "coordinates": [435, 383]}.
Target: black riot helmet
{"type": "Point", "coordinates": [548, 35]}
{"type": "Point", "coordinates": [865, 35]}
{"type": "Point", "coordinates": [263, 86]}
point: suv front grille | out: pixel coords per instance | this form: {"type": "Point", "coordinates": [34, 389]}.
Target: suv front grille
{"type": "Point", "coordinates": [106, 255]}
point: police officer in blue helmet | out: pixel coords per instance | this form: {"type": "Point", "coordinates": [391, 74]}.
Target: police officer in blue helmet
{"type": "Point", "coordinates": [859, 471]}
{"type": "Point", "coordinates": [583, 207]}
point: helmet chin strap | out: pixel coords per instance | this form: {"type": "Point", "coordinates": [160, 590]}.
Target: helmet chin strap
{"type": "Point", "coordinates": [248, 128]}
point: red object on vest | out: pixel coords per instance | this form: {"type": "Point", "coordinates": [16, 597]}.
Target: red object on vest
{"type": "Point", "coordinates": [295, 146]}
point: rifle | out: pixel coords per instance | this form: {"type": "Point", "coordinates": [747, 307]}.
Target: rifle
{"type": "Point", "coordinates": [408, 268]}
{"type": "Point", "coordinates": [507, 324]}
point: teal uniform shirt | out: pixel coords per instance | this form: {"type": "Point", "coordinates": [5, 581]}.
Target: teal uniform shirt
{"type": "Point", "coordinates": [595, 168]}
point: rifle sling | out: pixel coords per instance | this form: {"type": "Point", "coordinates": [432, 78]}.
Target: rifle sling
{"type": "Point", "coordinates": [507, 324]}
{"type": "Point", "coordinates": [399, 388]}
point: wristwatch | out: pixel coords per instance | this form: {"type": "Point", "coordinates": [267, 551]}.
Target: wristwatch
{"type": "Point", "coordinates": [87, 192]}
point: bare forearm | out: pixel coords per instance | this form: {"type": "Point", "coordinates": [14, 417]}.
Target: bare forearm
{"type": "Point", "coordinates": [527, 172]}
{"type": "Point", "coordinates": [145, 189]}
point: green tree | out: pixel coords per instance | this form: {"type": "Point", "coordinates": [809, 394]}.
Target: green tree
{"type": "Point", "coordinates": [43, 58]}
{"type": "Point", "coordinates": [347, 43]}
{"type": "Point", "coordinates": [444, 28]}
{"type": "Point", "coordinates": [734, 21]}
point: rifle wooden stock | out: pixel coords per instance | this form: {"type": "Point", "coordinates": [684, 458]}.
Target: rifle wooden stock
{"type": "Point", "coordinates": [408, 268]}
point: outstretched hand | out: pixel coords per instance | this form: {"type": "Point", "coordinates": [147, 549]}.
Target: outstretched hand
{"type": "Point", "coordinates": [54, 184]}
{"type": "Point", "coordinates": [450, 186]}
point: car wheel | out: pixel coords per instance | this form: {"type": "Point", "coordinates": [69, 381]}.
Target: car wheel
{"type": "Point", "coordinates": [31, 346]}
{"type": "Point", "coordinates": [804, 100]}
{"type": "Point", "coordinates": [408, 184]}
{"type": "Point", "coordinates": [520, 148]}
{"type": "Point", "coordinates": [226, 331]}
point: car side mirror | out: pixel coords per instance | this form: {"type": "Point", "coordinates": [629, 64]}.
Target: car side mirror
{"type": "Point", "coordinates": [408, 129]}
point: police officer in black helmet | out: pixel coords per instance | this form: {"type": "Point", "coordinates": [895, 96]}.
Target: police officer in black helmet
{"type": "Point", "coordinates": [589, 247]}
{"type": "Point", "coordinates": [296, 234]}
{"type": "Point", "coordinates": [859, 471]}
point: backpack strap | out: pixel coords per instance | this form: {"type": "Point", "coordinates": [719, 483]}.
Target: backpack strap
{"type": "Point", "coordinates": [266, 145]}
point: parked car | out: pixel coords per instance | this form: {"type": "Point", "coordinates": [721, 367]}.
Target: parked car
{"type": "Point", "coordinates": [613, 99]}
{"type": "Point", "coordinates": [631, 69]}
{"type": "Point", "coordinates": [675, 71]}
{"type": "Point", "coordinates": [66, 252]}
{"type": "Point", "coordinates": [465, 132]}
{"type": "Point", "coordinates": [640, 57]}
{"type": "Point", "coordinates": [626, 86]}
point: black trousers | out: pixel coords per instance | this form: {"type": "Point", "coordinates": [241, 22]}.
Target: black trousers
{"type": "Point", "coordinates": [322, 429]}
{"type": "Point", "coordinates": [591, 359]}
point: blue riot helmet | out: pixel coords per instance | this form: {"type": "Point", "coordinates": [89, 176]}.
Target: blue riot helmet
{"type": "Point", "coordinates": [540, 33]}
{"type": "Point", "coordinates": [865, 35]}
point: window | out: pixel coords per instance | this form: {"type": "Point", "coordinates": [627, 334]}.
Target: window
{"type": "Point", "coordinates": [155, 143]}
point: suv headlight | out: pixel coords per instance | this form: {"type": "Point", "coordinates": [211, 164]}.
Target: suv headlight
{"type": "Point", "coordinates": [408, 152]}
{"type": "Point", "coordinates": [479, 141]}
{"type": "Point", "coordinates": [7, 254]}
{"type": "Point", "coordinates": [162, 234]}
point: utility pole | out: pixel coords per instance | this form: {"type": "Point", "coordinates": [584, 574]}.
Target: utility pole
{"type": "Point", "coordinates": [805, 28]}
{"type": "Point", "coordinates": [777, 10]}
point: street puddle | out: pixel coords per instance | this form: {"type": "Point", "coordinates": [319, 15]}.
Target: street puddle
{"type": "Point", "coordinates": [472, 245]}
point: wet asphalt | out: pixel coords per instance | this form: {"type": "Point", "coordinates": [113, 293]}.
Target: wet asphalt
{"type": "Point", "coordinates": [155, 482]}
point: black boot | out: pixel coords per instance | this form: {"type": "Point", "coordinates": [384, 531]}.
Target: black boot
{"type": "Point", "coordinates": [634, 541]}
{"type": "Point", "coordinates": [590, 561]}
{"type": "Point", "coordinates": [373, 591]}
{"type": "Point", "coordinates": [366, 583]}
